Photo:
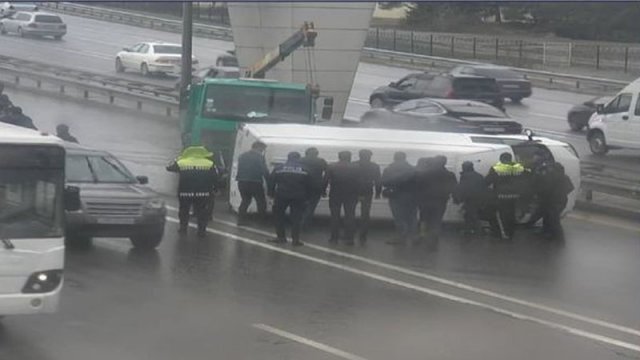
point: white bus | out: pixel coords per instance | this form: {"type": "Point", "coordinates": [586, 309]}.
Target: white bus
{"type": "Point", "coordinates": [32, 198]}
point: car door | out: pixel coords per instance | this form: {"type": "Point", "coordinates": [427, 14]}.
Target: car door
{"type": "Point", "coordinates": [631, 133]}
{"type": "Point", "coordinates": [128, 57]}
{"type": "Point", "coordinates": [617, 117]}
{"type": "Point", "coordinates": [403, 90]}
{"type": "Point", "coordinates": [141, 55]}
{"type": "Point", "coordinates": [11, 23]}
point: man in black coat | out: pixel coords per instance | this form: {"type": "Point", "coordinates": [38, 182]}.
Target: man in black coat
{"type": "Point", "coordinates": [472, 193]}
{"type": "Point", "coordinates": [62, 131]}
{"type": "Point", "coordinates": [554, 189]}
{"type": "Point", "coordinates": [252, 172]}
{"type": "Point", "coordinates": [316, 166]}
{"type": "Point", "coordinates": [369, 181]}
{"type": "Point", "coordinates": [16, 117]}
{"type": "Point", "coordinates": [435, 184]}
{"type": "Point", "coordinates": [398, 180]}
{"type": "Point", "coordinates": [342, 177]}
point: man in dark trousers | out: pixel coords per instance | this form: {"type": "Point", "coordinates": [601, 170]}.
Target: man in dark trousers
{"type": "Point", "coordinates": [291, 186]}
{"type": "Point", "coordinates": [342, 177]}
{"type": "Point", "coordinates": [471, 192]}
{"type": "Point", "coordinates": [62, 131]}
{"type": "Point", "coordinates": [554, 189]}
{"type": "Point", "coordinates": [505, 179]}
{"type": "Point", "coordinates": [316, 167]}
{"type": "Point", "coordinates": [435, 185]}
{"type": "Point", "coordinates": [398, 180]}
{"type": "Point", "coordinates": [369, 181]}
{"type": "Point", "coordinates": [197, 180]}
{"type": "Point", "coordinates": [16, 117]}
{"type": "Point", "coordinates": [252, 171]}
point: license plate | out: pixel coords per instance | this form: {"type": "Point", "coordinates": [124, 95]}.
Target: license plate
{"type": "Point", "coordinates": [494, 129]}
{"type": "Point", "coordinates": [115, 221]}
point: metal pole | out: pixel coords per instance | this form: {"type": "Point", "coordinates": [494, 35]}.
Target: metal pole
{"type": "Point", "coordinates": [497, 44]}
{"type": "Point", "coordinates": [394, 39]}
{"type": "Point", "coordinates": [431, 45]}
{"type": "Point", "coordinates": [597, 56]}
{"type": "Point", "coordinates": [185, 76]}
{"type": "Point", "coordinates": [377, 38]}
{"type": "Point", "coordinates": [413, 50]}
{"type": "Point", "coordinates": [520, 53]}
{"type": "Point", "coordinates": [474, 47]}
{"type": "Point", "coordinates": [626, 59]}
{"type": "Point", "coordinates": [570, 54]}
{"type": "Point", "coordinates": [452, 45]}
{"type": "Point", "coordinates": [544, 53]}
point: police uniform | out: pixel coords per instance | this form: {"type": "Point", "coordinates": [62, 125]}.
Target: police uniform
{"type": "Point", "coordinates": [505, 178]}
{"type": "Point", "coordinates": [198, 177]}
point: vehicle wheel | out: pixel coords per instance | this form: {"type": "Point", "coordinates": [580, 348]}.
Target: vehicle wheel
{"type": "Point", "coordinates": [148, 240]}
{"type": "Point", "coordinates": [3, 31]}
{"type": "Point", "coordinates": [598, 144]}
{"type": "Point", "coordinates": [377, 103]}
{"type": "Point", "coordinates": [20, 33]}
{"type": "Point", "coordinates": [516, 100]}
{"type": "Point", "coordinates": [575, 126]}
{"type": "Point", "coordinates": [78, 242]}
{"type": "Point", "coordinates": [144, 70]}
{"type": "Point", "coordinates": [119, 66]}
{"type": "Point", "coordinates": [58, 37]}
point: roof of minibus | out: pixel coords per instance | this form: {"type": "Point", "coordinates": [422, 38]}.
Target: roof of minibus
{"type": "Point", "coordinates": [10, 134]}
{"type": "Point", "coordinates": [262, 83]}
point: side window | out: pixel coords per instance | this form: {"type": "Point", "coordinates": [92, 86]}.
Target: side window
{"type": "Point", "coordinates": [440, 85]}
{"type": "Point", "coordinates": [136, 47]}
{"type": "Point", "coordinates": [427, 110]}
{"type": "Point", "coordinates": [144, 49]}
{"type": "Point", "coordinates": [467, 70]}
{"type": "Point", "coordinates": [23, 17]}
{"type": "Point", "coordinates": [620, 104]}
{"type": "Point", "coordinates": [407, 82]}
{"type": "Point", "coordinates": [637, 110]}
{"type": "Point", "coordinates": [423, 84]}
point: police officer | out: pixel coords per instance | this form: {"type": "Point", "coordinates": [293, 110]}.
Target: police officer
{"type": "Point", "coordinates": [471, 192]}
{"type": "Point", "coordinates": [252, 170]}
{"type": "Point", "coordinates": [398, 180]}
{"type": "Point", "coordinates": [504, 179]}
{"type": "Point", "coordinates": [316, 166]}
{"type": "Point", "coordinates": [435, 184]}
{"type": "Point", "coordinates": [16, 117]}
{"type": "Point", "coordinates": [62, 131]}
{"type": "Point", "coordinates": [368, 182]}
{"type": "Point", "coordinates": [197, 179]}
{"type": "Point", "coordinates": [291, 185]}
{"type": "Point", "coordinates": [342, 177]}
{"type": "Point", "coordinates": [554, 190]}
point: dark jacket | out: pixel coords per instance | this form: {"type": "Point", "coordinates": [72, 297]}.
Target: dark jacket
{"type": "Point", "coordinates": [399, 178]}
{"type": "Point", "coordinates": [19, 120]}
{"type": "Point", "coordinates": [370, 178]}
{"type": "Point", "coordinates": [343, 178]}
{"type": "Point", "coordinates": [68, 138]}
{"type": "Point", "coordinates": [252, 167]}
{"type": "Point", "coordinates": [290, 181]}
{"type": "Point", "coordinates": [198, 175]}
{"type": "Point", "coordinates": [316, 167]}
{"type": "Point", "coordinates": [554, 187]}
{"type": "Point", "coordinates": [471, 189]}
{"type": "Point", "coordinates": [435, 184]}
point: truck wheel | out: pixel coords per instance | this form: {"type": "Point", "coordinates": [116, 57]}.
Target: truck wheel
{"type": "Point", "coordinates": [119, 66]}
{"type": "Point", "coordinates": [144, 70]}
{"type": "Point", "coordinates": [598, 144]}
{"type": "Point", "coordinates": [377, 103]}
{"type": "Point", "coordinates": [3, 31]}
{"type": "Point", "coordinates": [148, 240]}
{"type": "Point", "coordinates": [575, 125]}
{"type": "Point", "coordinates": [516, 100]}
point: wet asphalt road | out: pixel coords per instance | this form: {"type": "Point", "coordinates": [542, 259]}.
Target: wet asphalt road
{"type": "Point", "coordinates": [197, 299]}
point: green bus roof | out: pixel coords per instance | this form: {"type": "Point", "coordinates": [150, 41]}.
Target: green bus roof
{"type": "Point", "coordinates": [261, 83]}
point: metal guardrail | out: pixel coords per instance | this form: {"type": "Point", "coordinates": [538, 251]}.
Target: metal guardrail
{"type": "Point", "coordinates": [540, 78]}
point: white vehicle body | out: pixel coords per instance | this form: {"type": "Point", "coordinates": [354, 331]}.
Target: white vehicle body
{"type": "Point", "coordinates": [9, 8]}
{"type": "Point", "coordinates": [31, 221]}
{"type": "Point", "coordinates": [152, 57]}
{"type": "Point", "coordinates": [483, 150]}
{"type": "Point", "coordinates": [25, 23]}
{"type": "Point", "coordinates": [617, 125]}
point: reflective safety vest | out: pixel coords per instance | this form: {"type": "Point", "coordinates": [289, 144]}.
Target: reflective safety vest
{"type": "Point", "coordinates": [509, 182]}
{"type": "Point", "coordinates": [197, 172]}
{"type": "Point", "coordinates": [503, 169]}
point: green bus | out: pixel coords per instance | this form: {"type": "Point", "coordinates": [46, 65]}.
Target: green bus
{"type": "Point", "coordinates": [217, 107]}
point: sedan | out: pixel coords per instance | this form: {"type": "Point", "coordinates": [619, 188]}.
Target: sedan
{"type": "Point", "coordinates": [9, 8]}
{"type": "Point", "coordinates": [578, 116]}
{"type": "Point", "coordinates": [512, 84]}
{"type": "Point", "coordinates": [460, 116]}
{"type": "Point", "coordinates": [34, 24]}
{"type": "Point", "coordinates": [114, 203]}
{"type": "Point", "coordinates": [152, 58]}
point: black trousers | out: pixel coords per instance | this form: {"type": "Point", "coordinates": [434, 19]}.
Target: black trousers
{"type": "Point", "coordinates": [338, 202]}
{"type": "Point", "coordinates": [296, 208]}
{"type": "Point", "coordinates": [431, 213]}
{"type": "Point", "coordinates": [200, 208]}
{"type": "Point", "coordinates": [551, 223]}
{"type": "Point", "coordinates": [250, 190]}
{"type": "Point", "coordinates": [506, 217]}
{"type": "Point", "coordinates": [471, 211]}
{"type": "Point", "coordinates": [310, 208]}
{"type": "Point", "coordinates": [365, 213]}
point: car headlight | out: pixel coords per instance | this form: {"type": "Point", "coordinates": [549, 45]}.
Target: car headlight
{"type": "Point", "coordinates": [154, 204]}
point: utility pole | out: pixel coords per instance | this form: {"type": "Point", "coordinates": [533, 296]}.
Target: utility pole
{"type": "Point", "coordinates": [185, 76]}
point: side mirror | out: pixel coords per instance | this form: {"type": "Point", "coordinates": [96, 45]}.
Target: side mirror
{"type": "Point", "coordinates": [600, 108]}
{"type": "Point", "coordinates": [327, 108]}
{"type": "Point", "coordinates": [142, 180]}
{"type": "Point", "coordinates": [127, 49]}
{"type": "Point", "coordinates": [72, 198]}
{"type": "Point", "coordinates": [393, 84]}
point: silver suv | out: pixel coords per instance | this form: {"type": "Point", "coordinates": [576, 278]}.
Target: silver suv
{"type": "Point", "coordinates": [114, 202]}
{"type": "Point", "coordinates": [34, 24]}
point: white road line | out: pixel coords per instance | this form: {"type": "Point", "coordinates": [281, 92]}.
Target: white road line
{"type": "Point", "coordinates": [302, 340]}
{"type": "Point", "coordinates": [547, 116]}
{"type": "Point", "coordinates": [425, 290]}
{"type": "Point", "coordinates": [447, 282]}
{"type": "Point", "coordinates": [604, 221]}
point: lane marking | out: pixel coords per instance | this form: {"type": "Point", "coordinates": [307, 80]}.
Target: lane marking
{"type": "Point", "coordinates": [447, 282]}
{"type": "Point", "coordinates": [600, 220]}
{"type": "Point", "coordinates": [424, 290]}
{"type": "Point", "coordinates": [304, 341]}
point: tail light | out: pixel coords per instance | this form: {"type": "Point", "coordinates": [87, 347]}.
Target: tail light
{"type": "Point", "coordinates": [42, 282]}
{"type": "Point", "coordinates": [450, 94]}
{"type": "Point", "coordinates": [32, 25]}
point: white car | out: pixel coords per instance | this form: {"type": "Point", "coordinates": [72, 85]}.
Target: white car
{"type": "Point", "coordinates": [39, 24]}
{"type": "Point", "coordinates": [152, 58]}
{"type": "Point", "coordinates": [9, 8]}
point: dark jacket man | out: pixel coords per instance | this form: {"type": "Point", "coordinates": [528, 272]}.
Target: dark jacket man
{"type": "Point", "coordinates": [342, 177]}
{"type": "Point", "coordinates": [370, 180]}
{"type": "Point", "coordinates": [435, 184]}
{"type": "Point", "coordinates": [554, 189]}
{"type": "Point", "coordinates": [252, 171]}
{"type": "Point", "coordinates": [17, 118]}
{"type": "Point", "coordinates": [291, 186]}
{"type": "Point", "coordinates": [62, 131]}
{"type": "Point", "coordinates": [316, 167]}
{"type": "Point", "coordinates": [472, 193]}
{"type": "Point", "coordinates": [398, 180]}
{"type": "Point", "coordinates": [505, 179]}
{"type": "Point", "coordinates": [198, 178]}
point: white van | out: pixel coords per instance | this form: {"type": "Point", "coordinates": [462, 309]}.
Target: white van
{"type": "Point", "coordinates": [32, 197]}
{"type": "Point", "coordinates": [483, 150]}
{"type": "Point", "coordinates": [616, 124]}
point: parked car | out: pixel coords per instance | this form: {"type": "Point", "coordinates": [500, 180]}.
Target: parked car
{"type": "Point", "coordinates": [152, 58]}
{"type": "Point", "coordinates": [34, 24]}
{"type": "Point", "coordinates": [512, 84]}
{"type": "Point", "coordinates": [228, 60]}
{"type": "Point", "coordinates": [223, 72]}
{"type": "Point", "coordinates": [9, 8]}
{"type": "Point", "coordinates": [578, 116]}
{"type": "Point", "coordinates": [443, 86]}
{"type": "Point", "coordinates": [458, 116]}
{"type": "Point", "coordinates": [114, 203]}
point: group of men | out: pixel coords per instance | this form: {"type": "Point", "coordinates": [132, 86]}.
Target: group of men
{"type": "Point", "coordinates": [417, 195]}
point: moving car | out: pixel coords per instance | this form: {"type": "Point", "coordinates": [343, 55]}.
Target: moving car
{"type": "Point", "coordinates": [579, 115]}
{"type": "Point", "coordinates": [152, 58]}
{"type": "Point", "coordinates": [114, 203]}
{"type": "Point", "coordinates": [616, 124]}
{"type": "Point", "coordinates": [34, 24]}
{"type": "Point", "coordinates": [220, 72]}
{"type": "Point", "coordinates": [446, 115]}
{"type": "Point", "coordinates": [512, 84]}
{"type": "Point", "coordinates": [9, 8]}
{"type": "Point", "coordinates": [443, 86]}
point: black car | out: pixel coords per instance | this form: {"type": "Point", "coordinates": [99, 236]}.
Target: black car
{"type": "Point", "coordinates": [512, 84]}
{"type": "Point", "coordinates": [224, 72]}
{"type": "Point", "coordinates": [578, 116]}
{"type": "Point", "coordinates": [459, 116]}
{"type": "Point", "coordinates": [441, 86]}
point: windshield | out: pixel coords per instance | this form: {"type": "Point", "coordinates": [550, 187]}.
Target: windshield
{"type": "Point", "coordinates": [475, 110]}
{"type": "Point", "coordinates": [97, 169]}
{"type": "Point", "coordinates": [256, 104]}
{"type": "Point", "coordinates": [498, 73]}
{"type": "Point", "coordinates": [167, 49]}
{"type": "Point", "coordinates": [52, 19]}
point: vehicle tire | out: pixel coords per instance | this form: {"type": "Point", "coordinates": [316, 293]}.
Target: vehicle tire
{"type": "Point", "coordinates": [119, 66]}
{"type": "Point", "coordinates": [148, 240]}
{"type": "Point", "coordinates": [597, 143]}
{"type": "Point", "coordinates": [3, 31]}
{"type": "Point", "coordinates": [574, 125]}
{"type": "Point", "coordinates": [144, 70]}
{"type": "Point", "coordinates": [20, 33]}
{"type": "Point", "coordinates": [377, 103]}
{"type": "Point", "coordinates": [58, 37]}
{"type": "Point", "coordinates": [78, 242]}
{"type": "Point", "coordinates": [516, 100]}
